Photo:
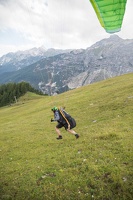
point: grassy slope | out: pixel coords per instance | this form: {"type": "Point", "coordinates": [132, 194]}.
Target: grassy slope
{"type": "Point", "coordinates": [34, 165]}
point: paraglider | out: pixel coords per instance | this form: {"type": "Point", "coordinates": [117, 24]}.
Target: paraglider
{"type": "Point", "coordinates": [110, 13]}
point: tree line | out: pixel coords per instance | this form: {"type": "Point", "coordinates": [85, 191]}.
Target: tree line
{"type": "Point", "coordinates": [11, 91]}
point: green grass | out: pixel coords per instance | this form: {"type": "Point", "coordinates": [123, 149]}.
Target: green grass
{"type": "Point", "coordinates": [98, 165]}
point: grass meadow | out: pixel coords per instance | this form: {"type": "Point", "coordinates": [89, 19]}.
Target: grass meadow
{"type": "Point", "coordinates": [97, 166]}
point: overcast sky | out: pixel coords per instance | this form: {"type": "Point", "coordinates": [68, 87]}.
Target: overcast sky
{"type": "Point", "coordinates": [54, 24]}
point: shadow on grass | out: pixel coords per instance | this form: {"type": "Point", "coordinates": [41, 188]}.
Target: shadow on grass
{"type": "Point", "coordinates": [110, 136]}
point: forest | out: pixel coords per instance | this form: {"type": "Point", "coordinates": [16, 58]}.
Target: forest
{"type": "Point", "coordinates": [10, 92]}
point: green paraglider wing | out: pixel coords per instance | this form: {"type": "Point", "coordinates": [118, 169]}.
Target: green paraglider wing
{"type": "Point", "coordinates": [110, 13]}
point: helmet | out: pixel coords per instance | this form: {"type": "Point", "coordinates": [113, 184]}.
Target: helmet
{"type": "Point", "coordinates": [54, 108]}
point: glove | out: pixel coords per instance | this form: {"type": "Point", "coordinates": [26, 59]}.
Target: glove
{"type": "Point", "coordinates": [52, 120]}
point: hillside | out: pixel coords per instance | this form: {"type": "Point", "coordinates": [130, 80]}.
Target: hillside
{"type": "Point", "coordinates": [98, 165]}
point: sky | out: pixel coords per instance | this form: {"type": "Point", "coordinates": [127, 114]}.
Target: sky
{"type": "Point", "coordinates": [59, 24]}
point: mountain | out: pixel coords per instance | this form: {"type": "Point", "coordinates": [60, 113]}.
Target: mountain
{"type": "Point", "coordinates": [55, 74]}
{"type": "Point", "coordinates": [107, 58]}
{"type": "Point", "coordinates": [16, 61]}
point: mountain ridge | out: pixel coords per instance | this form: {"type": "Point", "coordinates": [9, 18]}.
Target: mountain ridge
{"type": "Point", "coordinates": [20, 59]}
{"type": "Point", "coordinates": [68, 70]}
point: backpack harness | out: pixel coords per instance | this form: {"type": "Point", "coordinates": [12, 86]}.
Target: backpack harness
{"type": "Point", "coordinates": [63, 115]}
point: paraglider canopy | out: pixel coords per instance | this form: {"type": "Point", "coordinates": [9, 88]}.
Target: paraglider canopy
{"type": "Point", "coordinates": [110, 13]}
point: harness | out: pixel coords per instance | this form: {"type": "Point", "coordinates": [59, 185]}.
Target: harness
{"type": "Point", "coordinates": [61, 112]}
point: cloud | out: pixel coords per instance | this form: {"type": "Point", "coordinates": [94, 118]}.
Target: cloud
{"type": "Point", "coordinates": [57, 24]}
